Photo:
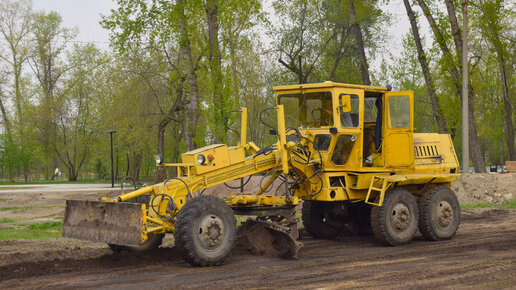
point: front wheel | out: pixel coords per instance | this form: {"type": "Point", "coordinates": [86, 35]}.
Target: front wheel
{"type": "Point", "coordinates": [439, 214]}
{"type": "Point", "coordinates": [396, 221]}
{"type": "Point", "coordinates": [205, 231]}
{"type": "Point", "coordinates": [319, 221]}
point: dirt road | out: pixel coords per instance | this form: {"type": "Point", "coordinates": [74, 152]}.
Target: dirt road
{"type": "Point", "coordinates": [483, 254]}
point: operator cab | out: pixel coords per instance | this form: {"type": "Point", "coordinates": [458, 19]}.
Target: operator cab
{"type": "Point", "coordinates": [354, 127]}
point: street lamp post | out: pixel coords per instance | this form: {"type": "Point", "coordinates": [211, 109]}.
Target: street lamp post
{"type": "Point", "coordinates": [111, 132]}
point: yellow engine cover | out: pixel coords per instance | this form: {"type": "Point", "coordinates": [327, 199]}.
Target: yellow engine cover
{"type": "Point", "coordinates": [220, 155]}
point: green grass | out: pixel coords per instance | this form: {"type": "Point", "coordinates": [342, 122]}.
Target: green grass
{"type": "Point", "coordinates": [6, 221]}
{"type": "Point", "coordinates": [16, 187]}
{"type": "Point", "coordinates": [510, 204]}
{"type": "Point", "coordinates": [32, 231]}
{"type": "Point", "coordinates": [55, 182]}
{"type": "Point", "coordinates": [5, 199]}
{"type": "Point", "coordinates": [27, 207]}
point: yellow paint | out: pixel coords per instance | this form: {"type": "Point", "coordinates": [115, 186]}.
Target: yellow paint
{"type": "Point", "coordinates": [404, 158]}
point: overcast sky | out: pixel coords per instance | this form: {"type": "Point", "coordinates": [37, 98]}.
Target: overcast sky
{"type": "Point", "coordinates": [85, 15]}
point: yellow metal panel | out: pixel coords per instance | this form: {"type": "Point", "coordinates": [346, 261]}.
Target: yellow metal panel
{"type": "Point", "coordinates": [397, 148]}
{"type": "Point", "coordinates": [236, 155]}
{"type": "Point", "coordinates": [398, 144]}
{"type": "Point", "coordinates": [219, 152]}
{"type": "Point", "coordinates": [329, 84]}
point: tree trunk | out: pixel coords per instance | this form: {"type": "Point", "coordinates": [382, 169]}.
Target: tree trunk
{"type": "Point", "coordinates": [457, 35]}
{"type": "Point", "coordinates": [136, 162]}
{"type": "Point", "coordinates": [441, 122]}
{"type": "Point", "coordinates": [5, 117]}
{"type": "Point", "coordinates": [474, 145]}
{"type": "Point", "coordinates": [191, 74]}
{"type": "Point", "coordinates": [364, 68]}
{"type": "Point", "coordinates": [215, 58]}
{"type": "Point", "coordinates": [508, 108]}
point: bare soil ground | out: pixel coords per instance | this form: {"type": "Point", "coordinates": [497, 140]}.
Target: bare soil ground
{"type": "Point", "coordinates": [482, 254]}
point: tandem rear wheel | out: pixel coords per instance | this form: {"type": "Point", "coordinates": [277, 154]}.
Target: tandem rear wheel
{"type": "Point", "coordinates": [436, 213]}
{"type": "Point", "coordinates": [396, 221]}
{"type": "Point", "coordinates": [439, 213]}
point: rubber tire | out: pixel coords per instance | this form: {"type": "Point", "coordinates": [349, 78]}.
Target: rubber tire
{"type": "Point", "coordinates": [153, 240]}
{"type": "Point", "coordinates": [428, 226]}
{"type": "Point", "coordinates": [314, 220]}
{"type": "Point", "coordinates": [381, 223]}
{"type": "Point", "coordinates": [187, 231]}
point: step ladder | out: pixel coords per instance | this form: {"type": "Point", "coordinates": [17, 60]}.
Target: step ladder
{"type": "Point", "coordinates": [385, 185]}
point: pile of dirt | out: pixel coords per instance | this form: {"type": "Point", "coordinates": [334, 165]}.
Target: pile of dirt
{"type": "Point", "coordinates": [485, 187]}
{"type": "Point", "coordinates": [260, 240]}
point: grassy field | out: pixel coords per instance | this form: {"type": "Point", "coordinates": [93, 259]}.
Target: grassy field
{"type": "Point", "coordinates": [22, 231]}
{"type": "Point", "coordinates": [510, 204]}
{"type": "Point", "coordinates": [36, 182]}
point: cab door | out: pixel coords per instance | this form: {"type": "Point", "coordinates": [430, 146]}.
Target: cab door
{"type": "Point", "coordinates": [398, 128]}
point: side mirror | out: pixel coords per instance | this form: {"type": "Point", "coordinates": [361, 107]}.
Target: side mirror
{"type": "Point", "coordinates": [345, 103]}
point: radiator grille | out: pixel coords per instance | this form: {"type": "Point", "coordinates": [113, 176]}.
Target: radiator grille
{"type": "Point", "coordinates": [425, 151]}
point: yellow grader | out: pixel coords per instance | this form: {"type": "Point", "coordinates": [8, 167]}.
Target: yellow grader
{"type": "Point", "coordinates": [349, 152]}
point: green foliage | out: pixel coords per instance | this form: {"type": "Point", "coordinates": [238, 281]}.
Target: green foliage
{"type": "Point", "coordinates": [32, 231]}
{"type": "Point", "coordinates": [509, 204]}
{"type": "Point", "coordinates": [100, 169]}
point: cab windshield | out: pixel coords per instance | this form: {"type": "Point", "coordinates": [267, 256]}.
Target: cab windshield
{"type": "Point", "coordinates": [307, 110]}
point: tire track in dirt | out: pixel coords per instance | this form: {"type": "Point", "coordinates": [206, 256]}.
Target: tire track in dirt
{"type": "Point", "coordinates": [483, 253]}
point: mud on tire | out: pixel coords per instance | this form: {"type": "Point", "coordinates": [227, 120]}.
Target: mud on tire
{"type": "Point", "coordinates": [205, 231]}
{"type": "Point", "coordinates": [396, 221]}
{"type": "Point", "coordinates": [317, 220]}
{"type": "Point", "coordinates": [439, 214]}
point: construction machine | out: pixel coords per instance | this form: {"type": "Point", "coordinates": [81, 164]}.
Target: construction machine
{"type": "Point", "coordinates": [347, 153]}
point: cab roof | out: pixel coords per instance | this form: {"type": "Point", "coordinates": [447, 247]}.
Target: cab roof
{"type": "Point", "coordinates": [329, 84]}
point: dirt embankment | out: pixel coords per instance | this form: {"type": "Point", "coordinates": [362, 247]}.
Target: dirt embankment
{"type": "Point", "coordinates": [485, 187]}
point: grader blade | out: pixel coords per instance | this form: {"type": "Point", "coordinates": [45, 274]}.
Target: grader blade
{"type": "Point", "coordinates": [100, 221]}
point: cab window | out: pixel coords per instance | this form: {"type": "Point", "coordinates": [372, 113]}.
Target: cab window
{"type": "Point", "coordinates": [399, 112]}
{"type": "Point", "coordinates": [307, 110]}
{"type": "Point", "coordinates": [350, 119]}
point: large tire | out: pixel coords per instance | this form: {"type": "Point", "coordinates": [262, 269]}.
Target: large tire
{"type": "Point", "coordinates": [318, 221]}
{"type": "Point", "coordinates": [153, 240]}
{"type": "Point", "coordinates": [396, 221]}
{"type": "Point", "coordinates": [439, 214]}
{"type": "Point", "coordinates": [205, 231]}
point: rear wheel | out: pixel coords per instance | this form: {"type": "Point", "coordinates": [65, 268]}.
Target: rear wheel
{"type": "Point", "coordinates": [439, 214]}
{"type": "Point", "coordinates": [396, 221]}
{"type": "Point", "coordinates": [319, 221]}
{"type": "Point", "coordinates": [205, 231]}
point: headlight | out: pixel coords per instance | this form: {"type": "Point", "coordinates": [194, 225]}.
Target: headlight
{"type": "Point", "coordinates": [158, 158]}
{"type": "Point", "coordinates": [201, 159]}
